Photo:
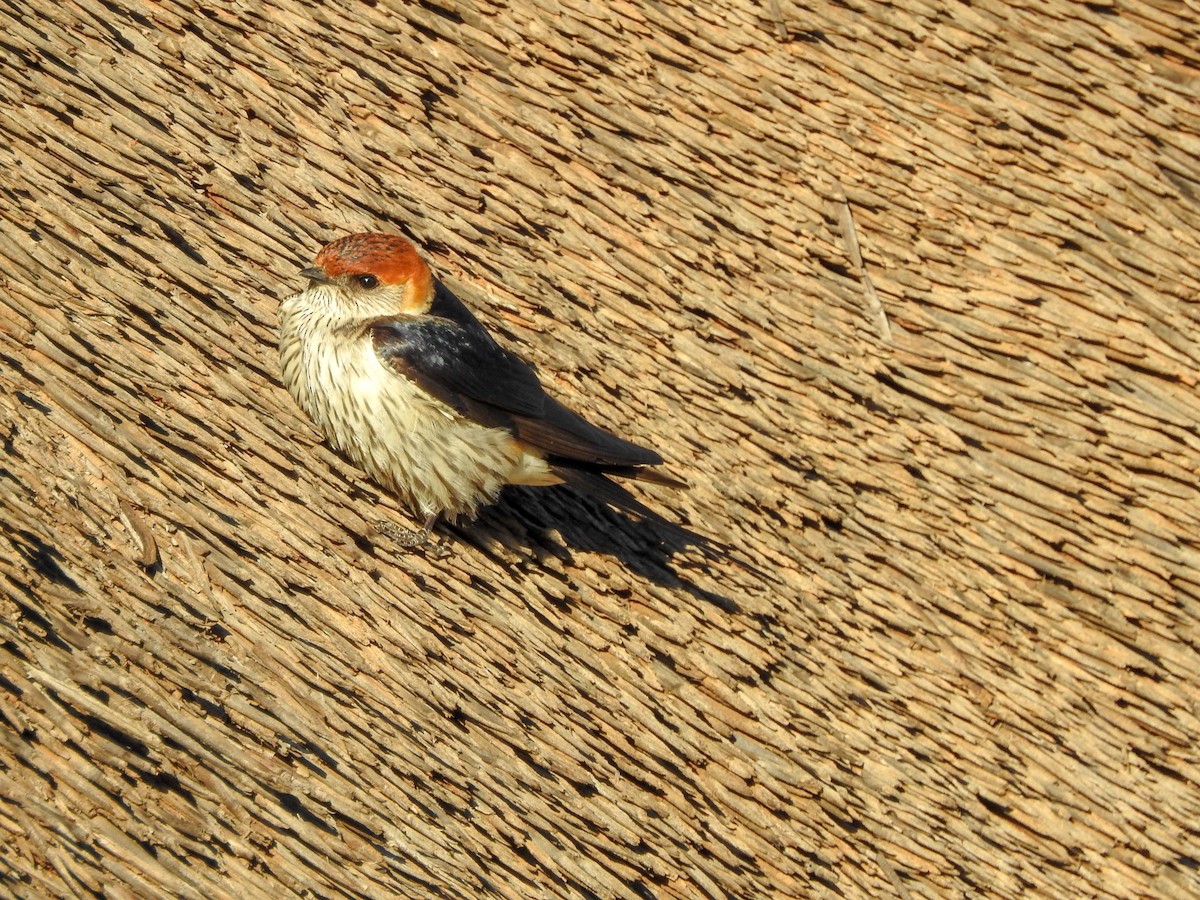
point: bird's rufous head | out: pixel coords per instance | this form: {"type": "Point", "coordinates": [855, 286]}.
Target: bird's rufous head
{"type": "Point", "coordinates": [376, 264]}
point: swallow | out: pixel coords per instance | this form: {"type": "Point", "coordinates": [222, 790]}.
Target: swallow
{"type": "Point", "coordinates": [410, 386]}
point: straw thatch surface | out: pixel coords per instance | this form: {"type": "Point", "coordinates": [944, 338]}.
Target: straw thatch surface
{"type": "Point", "coordinates": [909, 293]}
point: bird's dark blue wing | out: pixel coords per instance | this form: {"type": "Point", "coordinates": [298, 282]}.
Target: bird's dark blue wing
{"type": "Point", "coordinates": [456, 364]}
{"type": "Point", "coordinates": [449, 354]}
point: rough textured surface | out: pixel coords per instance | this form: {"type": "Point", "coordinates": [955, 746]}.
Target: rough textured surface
{"type": "Point", "coordinates": [908, 291]}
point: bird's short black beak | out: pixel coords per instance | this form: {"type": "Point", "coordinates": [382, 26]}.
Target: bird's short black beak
{"type": "Point", "coordinates": [315, 273]}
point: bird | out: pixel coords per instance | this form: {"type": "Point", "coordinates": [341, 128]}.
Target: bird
{"type": "Point", "coordinates": [407, 383]}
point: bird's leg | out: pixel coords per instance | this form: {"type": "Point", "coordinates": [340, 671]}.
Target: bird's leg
{"type": "Point", "coordinates": [414, 538]}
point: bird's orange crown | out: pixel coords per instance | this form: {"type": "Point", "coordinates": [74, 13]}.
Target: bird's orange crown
{"type": "Point", "coordinates": [390, 258]}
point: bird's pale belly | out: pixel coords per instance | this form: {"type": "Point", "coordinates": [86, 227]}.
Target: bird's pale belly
{"type": "Point", "coordinates": [437, 461]}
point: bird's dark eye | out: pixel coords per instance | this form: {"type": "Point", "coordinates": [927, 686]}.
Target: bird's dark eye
{"type": "Point", "coordinates": [366, 281]}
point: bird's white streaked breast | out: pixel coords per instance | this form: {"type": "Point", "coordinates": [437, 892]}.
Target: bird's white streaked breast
{"type": "Point", "coordinates": [436, 460]}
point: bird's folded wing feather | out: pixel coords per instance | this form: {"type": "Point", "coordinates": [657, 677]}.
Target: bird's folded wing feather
{"type": "Point", "coordinates": [450, 355]}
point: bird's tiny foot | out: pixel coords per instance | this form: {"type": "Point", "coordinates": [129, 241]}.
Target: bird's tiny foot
{"type": "Point", "coordinates": [436, 549]}
{"type": "Point", "coordinates": [414, 538]}
{"type": "Point", "coordinates": [405, 537]}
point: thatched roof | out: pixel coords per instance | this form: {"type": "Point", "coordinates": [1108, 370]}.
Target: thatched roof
{"type": "Point", "coordinates": [907, 292]}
